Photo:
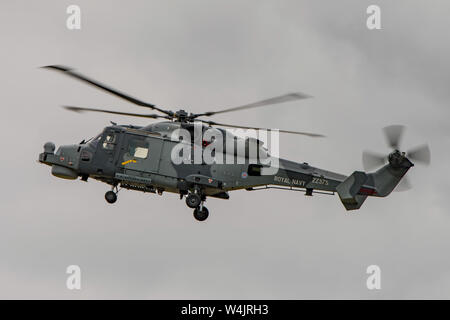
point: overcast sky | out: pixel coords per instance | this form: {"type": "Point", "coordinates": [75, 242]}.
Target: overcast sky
{"type": "Point", "coordinates": [202, 56]}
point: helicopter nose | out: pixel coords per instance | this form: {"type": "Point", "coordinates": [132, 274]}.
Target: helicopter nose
{"type": "Point", "coordinates": [65, 162]}
{"type": "Point", "coordinates": [69, 156]}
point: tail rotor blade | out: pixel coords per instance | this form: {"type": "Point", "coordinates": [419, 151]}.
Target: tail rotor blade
{"type": "Point", "coordinates": [404, 185]}
{"type": "Point", "coordinates": [394, 135]}
{"type": "Point", "coordinates": [420, 154]}
{"type": "Point", "coordinates": [372, 160]}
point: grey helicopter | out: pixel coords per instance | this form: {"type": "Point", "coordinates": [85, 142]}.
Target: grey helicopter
{"type": "Point", "coordinates": [141, 158]}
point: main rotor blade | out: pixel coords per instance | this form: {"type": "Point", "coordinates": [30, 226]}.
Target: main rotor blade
{"type": "Point", "coordinates": [403, 185]}
{"type": "Point", "coordinates": [70, 72]}
{"type": "Point", "coordinates": [314, 135]}
{"type": "Point", "coordinates": [394, 135]}
{"type": "Point", "coordinates": [420, 154]}
{"type": "Point", "coordinates": [372, 160]}
{"type": "Point", "coordinates": [266, 102]}
{"type": "Point", "coordinates": [152, 116]}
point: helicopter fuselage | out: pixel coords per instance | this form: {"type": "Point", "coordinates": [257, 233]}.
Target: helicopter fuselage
{"type": "Point", "coordinates": [109, 158]}
{"type": "Point", "coordinates": [139, 158]}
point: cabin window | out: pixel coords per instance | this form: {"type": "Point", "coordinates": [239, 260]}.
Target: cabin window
{"type": "Point", "coordinates": [138, 149]}
{"type": "Point", "coordinates": [140, 152]}
{"type": "Point", "coordinates": [110, 142]}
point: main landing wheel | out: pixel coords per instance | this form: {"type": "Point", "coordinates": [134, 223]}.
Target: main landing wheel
{"type": "Point", "coordinates": [110, 197]}
{"type": "Point", "coordinates": [193, 200]}
{"type": "Point", "coordinates": [201, 214]}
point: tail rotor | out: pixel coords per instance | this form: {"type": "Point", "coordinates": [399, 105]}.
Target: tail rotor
{"type": "Point", "coordinates": [393, 135]}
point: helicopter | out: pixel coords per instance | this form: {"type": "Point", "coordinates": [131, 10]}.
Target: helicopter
{"type": "Point", "coordinates": [141, 158]}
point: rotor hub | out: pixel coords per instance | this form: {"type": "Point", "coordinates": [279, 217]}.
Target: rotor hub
{"type": "Point", "coordinates": [181, 115]}
{"type": "Point", "coordinates": [397, 159]}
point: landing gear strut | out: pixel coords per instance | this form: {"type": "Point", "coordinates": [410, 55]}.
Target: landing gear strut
{"type": "Point", "coordinates": [195, 201]}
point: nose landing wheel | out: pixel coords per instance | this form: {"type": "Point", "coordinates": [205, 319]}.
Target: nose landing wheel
{"type": "Point", "coordinates": [201, 213]}
{"type": "Point", "coordinates": [111, 196]}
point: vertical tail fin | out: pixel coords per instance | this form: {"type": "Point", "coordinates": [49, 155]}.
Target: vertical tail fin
{"type": "Point", "coordinates": [348, 190]}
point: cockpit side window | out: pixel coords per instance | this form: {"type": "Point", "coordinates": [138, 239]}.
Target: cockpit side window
{"type": "Point", "coordinates": [109, 142]}
{"type": "Point", "coordinates": [94, 142]}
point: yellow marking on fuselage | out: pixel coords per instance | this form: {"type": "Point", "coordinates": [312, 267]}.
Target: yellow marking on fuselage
{"type": "Point", "coordinates": [128, 161]}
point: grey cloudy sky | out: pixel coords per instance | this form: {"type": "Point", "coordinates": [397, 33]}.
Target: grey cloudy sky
{"type": "Point", "coordinates": [203, 55]}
